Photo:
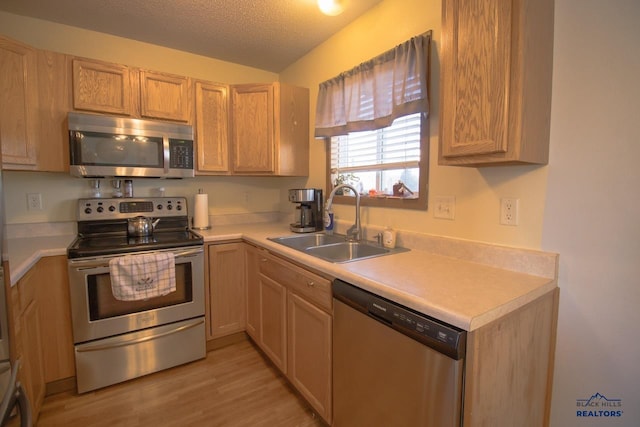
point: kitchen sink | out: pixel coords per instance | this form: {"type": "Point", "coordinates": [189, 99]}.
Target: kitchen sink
{"type": "Point", "coordinates": [334, 248]}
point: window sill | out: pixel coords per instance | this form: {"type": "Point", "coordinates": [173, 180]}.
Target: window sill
{"type": "Point", "coordinates": [419, 203]}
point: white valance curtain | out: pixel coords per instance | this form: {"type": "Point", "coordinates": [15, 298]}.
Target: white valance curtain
{"type": "Point", "coordinates": [373, 94]}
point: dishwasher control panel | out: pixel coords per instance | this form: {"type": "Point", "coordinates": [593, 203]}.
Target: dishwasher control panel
{"type": "Point", "coordinates": [410, 321]}
{"type": "Point", "coordinates": [438, 335]}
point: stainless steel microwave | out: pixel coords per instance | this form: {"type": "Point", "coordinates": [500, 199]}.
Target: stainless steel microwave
{"type": "Point", "coordinates": [109, 146]}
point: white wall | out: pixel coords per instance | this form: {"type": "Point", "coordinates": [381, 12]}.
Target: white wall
{"type": "Point", "coordinates": [593, 207]}
{"type": "Point", "coordinates": [60, 194]}
{"type": "Point", "coordinates": [477, 191]}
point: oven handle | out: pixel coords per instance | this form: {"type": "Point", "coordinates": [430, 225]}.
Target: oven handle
{"type": "Point", "coordinates": [104, 261]}
{"type": "Point", "coordinates": [99, 347]}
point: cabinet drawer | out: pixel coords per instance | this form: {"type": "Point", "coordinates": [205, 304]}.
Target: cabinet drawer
{"type": "Point", "coordinates": [315, 288]}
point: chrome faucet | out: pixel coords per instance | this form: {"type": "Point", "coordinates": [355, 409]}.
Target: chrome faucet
{"type": "Point", "coordinates": [353, 233]}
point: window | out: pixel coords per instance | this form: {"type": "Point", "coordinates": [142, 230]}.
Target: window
{"type": "Point", "coordinates": [375, 119]}
{"type": "Point", "coordinates": [387, 166]}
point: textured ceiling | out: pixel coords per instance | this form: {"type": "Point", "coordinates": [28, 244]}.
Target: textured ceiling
{"type": "Point", "coordinates": [266, 34]}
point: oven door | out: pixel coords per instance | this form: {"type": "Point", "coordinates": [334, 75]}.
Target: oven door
{"type": "Point", "coordinates": [97, 314]}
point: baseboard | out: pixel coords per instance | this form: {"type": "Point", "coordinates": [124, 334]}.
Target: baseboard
{"type": "Point", "coordinates": [60, 386]}
{"type": "Point", "coordinates": [217, 343]}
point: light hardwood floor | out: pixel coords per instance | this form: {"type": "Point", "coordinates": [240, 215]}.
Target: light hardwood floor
{"type": "Point", "coordinates": [233, 386]}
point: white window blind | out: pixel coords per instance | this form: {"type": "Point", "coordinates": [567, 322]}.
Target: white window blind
{"type": "Point", "coordinates": [393, 147]}
{"type": "Point", "coordinates": [377, 162]}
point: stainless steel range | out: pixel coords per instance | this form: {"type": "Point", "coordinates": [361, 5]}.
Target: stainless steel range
{"type": "Point", "coordinates": [116, 340]}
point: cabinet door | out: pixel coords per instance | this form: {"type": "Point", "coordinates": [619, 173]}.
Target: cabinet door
{"type": "Point", "coordinates": [54, 89]}
{"type": "Point", "coordinates": [102, 87]}
{"type": "Point", "coordinates": [253, 260]}
{"type": "Point", "coordinates": [309, 361]}
{"type": "Point", "coordinates": [32, 355]}
{"type": "Point", "coordinates": [212, 132]}
{"type": "Point", "coordinates": [273, 318]}
{"type": "Point", "coordinates": [18, 105]}
{"type": "Point", "coordinates": [226, 290]}
{"type": "Point", "coordinates": [292, 130]}
{"type": "Point", "coordinates": [252, 128]}
{"type": "Point", "coordinates": [496, 82]}
{"type": "Point", "coordinates": [55, 308]}
{"type": "Point", "coordinates": [475, 79]}
{"type": "Point", "coordinates": [164, 96]}
{"type": "Point", "coordinates": [28, 337]}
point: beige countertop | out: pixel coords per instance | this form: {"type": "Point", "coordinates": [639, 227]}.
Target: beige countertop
{"type": "Point", "coordinates": [462, 283]}
{"type": "Point", "coordinates": [466, 294]}
{"type": "Point", "coordinates": [24, 252]}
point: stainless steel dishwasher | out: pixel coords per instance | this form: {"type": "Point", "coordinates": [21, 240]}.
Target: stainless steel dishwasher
{"type": "Point", "coordinates": [393, 366]}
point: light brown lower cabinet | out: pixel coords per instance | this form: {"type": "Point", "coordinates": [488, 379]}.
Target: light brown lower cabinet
{"type": "Point", "coordinates": [31, 356]}
{"type": "Point", "coordinates": [26, 337]}
{"type": "Point", "coordinates": [267, 305]}
{"type": "Point", "coordinates": [289, 318]}
{"type": "Point", "coordinates": [55, 309]}
{"type": "Point", "coordinates": [509, 366]}
{"type": "Point", "coordinates": [225, 299]}
{"type": "Point", "coordinates": [273, 318]}
{"type": "Point", "coordinates": [40, 328]}
{"type": "Point", "coordinates": [252, 260]}
{"type": "Point", "coordinates": [309, 352]}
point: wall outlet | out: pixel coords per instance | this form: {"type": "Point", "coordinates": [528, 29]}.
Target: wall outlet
{"type": "Point", "coordinates": [444, 207]}
{"type": "Point", "coordinates": [34, 201]}
{"type": "Point", "coordinates": [509, 211]}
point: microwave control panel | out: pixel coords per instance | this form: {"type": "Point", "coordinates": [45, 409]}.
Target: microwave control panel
{"type": "Point", "coordinates": [180, 154]}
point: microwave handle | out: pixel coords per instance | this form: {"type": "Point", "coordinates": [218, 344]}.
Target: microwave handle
{"type": "Point", "coordinates": [167, 153]}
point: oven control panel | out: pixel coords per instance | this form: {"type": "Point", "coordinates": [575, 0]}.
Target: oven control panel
{"type": "Point", "coordinates": [101, 209]}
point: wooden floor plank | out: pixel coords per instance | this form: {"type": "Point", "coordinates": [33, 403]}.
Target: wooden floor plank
{"type": "Point", "coordinates": [233, 387]}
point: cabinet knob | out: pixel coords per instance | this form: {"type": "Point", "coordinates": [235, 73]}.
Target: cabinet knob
{"type": "Point", "coordinates": [263, 260]}
{"type": "Point", "coordinates": [311, 284]}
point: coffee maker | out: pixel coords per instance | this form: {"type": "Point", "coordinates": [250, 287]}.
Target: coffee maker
{"type": "Point", "coordinates": [309, 210]}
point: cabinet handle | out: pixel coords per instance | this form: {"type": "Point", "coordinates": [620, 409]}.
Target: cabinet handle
{"type": "Point", "coordinates": [263, 260]}
{"type": "Point", "coordinates": [311, 284]}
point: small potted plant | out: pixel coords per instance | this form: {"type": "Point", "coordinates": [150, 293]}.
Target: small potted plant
{"type": "Point", "coordinates": [344, 178]}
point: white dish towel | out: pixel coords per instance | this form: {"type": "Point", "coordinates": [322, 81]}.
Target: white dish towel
{"type": "Point", "coordinates": [143, 276]}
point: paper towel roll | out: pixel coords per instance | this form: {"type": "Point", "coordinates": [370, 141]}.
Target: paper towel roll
{"type": "Point", "coordinates": [201, 212]}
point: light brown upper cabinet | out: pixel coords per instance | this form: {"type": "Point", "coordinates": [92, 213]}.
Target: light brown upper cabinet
{"type": "Point", "coordinates": [212, 130]}
{"type": "Point", "coordinates": [18, 104]}
{"type": "Point", "coordinates": [164, 96]}
{"type": "Point", "coordinates": [496, 82]}
{"type": "Point", "coordinates": [35, 98]}
{"type": "Point", "coordinates": [54, 91]}
{"type": "Point", "coordinates": [270, 129]}
{"type": "Point", "coordinates": [104, 87]}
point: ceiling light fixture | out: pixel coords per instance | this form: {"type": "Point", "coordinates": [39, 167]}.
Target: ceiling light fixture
{"type": "Point", "coordinates": [332, 7]}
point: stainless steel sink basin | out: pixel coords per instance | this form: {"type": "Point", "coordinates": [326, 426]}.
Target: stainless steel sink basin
{"type": "Point", "coordinates": [334, 248]}
{"type": "Point", "coordinates": [303, 241]}
{"type": "Point", "coordinates": [347, 251]}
